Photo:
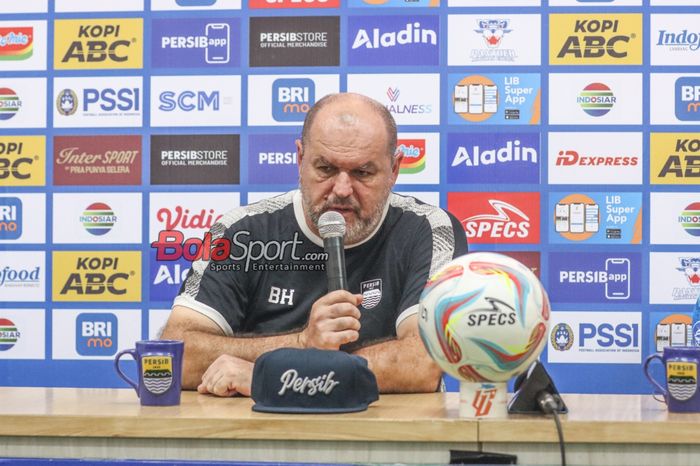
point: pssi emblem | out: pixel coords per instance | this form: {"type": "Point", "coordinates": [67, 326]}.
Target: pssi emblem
{"type": "Point", "coordinates": [157, 373]}
{"type": "Point", "coordinates": [371, 293]}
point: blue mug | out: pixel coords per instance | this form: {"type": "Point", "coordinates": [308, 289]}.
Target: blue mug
{"type": "Point", "coordinates": [159, 365]}
{"type": "Point", "coordinates": [681, 388]}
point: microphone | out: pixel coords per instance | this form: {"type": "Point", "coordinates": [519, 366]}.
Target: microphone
{"type": "Point", "coordinates": [331, 226]}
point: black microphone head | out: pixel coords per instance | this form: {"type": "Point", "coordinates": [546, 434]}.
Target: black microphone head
{"type": "Point", "coordinates": [331, 224]}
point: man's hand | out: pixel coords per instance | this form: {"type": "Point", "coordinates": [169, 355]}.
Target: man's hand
{"type": "Point", "coordinates": [334, 321]}
{"type": "Point", "coordinates": [227, 376]}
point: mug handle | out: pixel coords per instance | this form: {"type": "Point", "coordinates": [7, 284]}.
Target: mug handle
{"type": "Point", "coordinates": [132, 353]}
{"type": "Point", "coordinates": [648, 360]}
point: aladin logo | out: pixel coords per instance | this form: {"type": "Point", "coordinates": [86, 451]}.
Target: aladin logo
{"type": "Point", "coordinates": [323, 383]}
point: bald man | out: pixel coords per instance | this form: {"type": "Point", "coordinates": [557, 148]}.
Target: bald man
{"type": "Point", "coordinates": [230, 312]}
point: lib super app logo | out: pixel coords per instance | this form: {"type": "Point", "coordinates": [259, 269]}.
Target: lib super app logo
{"type": "Point", "coordinates": [595, 39]}
{"type": "Point", "coordinates": [98, 43]}
{"type": "Point", "coordinates": [498, 217]}
{"type": "Point", "coordinates": [96, 334]}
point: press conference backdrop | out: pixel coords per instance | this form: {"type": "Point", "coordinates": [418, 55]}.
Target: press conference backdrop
{"type": "Point", "coordinates": [563, 133]}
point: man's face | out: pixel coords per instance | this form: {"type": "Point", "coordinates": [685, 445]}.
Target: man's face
{"type": "Point", "coordinates": [345, 167]}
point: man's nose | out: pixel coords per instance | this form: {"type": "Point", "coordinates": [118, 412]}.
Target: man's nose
{"type": "Point", "coordinates": [342, 187]}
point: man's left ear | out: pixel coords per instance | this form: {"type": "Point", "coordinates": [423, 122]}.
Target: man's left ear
{"type": "Point", "coordinates": [396, 160]}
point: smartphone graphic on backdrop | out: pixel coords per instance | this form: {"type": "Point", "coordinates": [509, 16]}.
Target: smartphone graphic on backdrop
{"type": "Point", "coordinates": [576, 217]}
{"type": "Point", "coordinates": [618, 284]}
{"type": "Point", "coordinates": [218, 35]}
{"type": "Point", "coordinates": [490, 98]}
{"type": "Point", "coordinates": [476, 98]}
{"type": "Point", "coordinates": [591, 217]}
{"type": "Point", "coordinates": [461, 99]}
{"type": "Point", "coordinates": [561, 218]}
{"type": "Point", "coordinates": [679, 334]}
{"type": "Point", "coordinates": [663, 337]}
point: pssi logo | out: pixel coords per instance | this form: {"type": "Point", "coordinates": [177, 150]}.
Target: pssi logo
{"type": "Point", "coordinates": [96, 276]}
{"type": "Point", "coordinates": [10, 218]}
{"type": "Point", "coordinates": [98, 43]}
{"type": "Point", "coordinates": [16, 43]}
{"type": "Point", "coordinates": [189, 101]}
{"type": "Point", "coordinates": [607, 335]}
{"type": "Point", "coordinates": [9, 335]}
{"type": "Point", "coordinates": [10, 103]}
{"type": "Point", "coordinates": [596, 99]}
{"type": "Point", "coordinates": [594, 39]}
{"type": "Point", "coordinates": [96, 334]}
{"type": "Point", "coordinates": [562, 337]}
{"type": "Point", "coordinates": [292, 98]}
{"type": "Point", "coordinates": [413, 151]}
{"type": "Point", "coordinates": [67, 102]}
{"type": "Point", "coordinates": [688, 99]}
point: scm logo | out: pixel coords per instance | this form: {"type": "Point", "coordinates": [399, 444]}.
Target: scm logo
{"type": "Point", "coordinates": [292, 98]}
{"type": "Point", "coordinates": [21, 160]}
{"type": "Point", "coordinates": [96, 334]}
{"type": "Point", "coordinates": [595, 39]}
{"type": "Point", "coordinates": [97, 276]}
{"type": "Point", "coordinates": [99, 43]}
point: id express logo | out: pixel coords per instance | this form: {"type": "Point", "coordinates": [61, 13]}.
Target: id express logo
{"type": "Point", "coordinates": [21, 160]}
{"type": "Point", "coordinates": [507, 218]}
{"type": "Point", "coordinates": [292, 98]}
{"type": "Point", "coordinates": [688, 99]}
{"type": "Point", "coordinates": [493, 158]}
{"type": "Point", "coordinates": [595, 39]}
{"type": "Point", "coordinates": [96, 276]}
{"type": "Point", "coordinates": [675, 158]}
{"type": "Point", "coordinates": [393, 40]}
{"type": "Point", "coordinates": [98, 44]}
{"type": "Point", "coordinates": [10, 218]}
{"type": "Point", "coordinates": [16, 43]}
{"type": "Point", "coordinates": [96, 334]}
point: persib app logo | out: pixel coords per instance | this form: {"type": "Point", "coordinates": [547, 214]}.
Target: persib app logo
{"type": "Point", "coordinates": [688, 99]}
{"type": "Point", "coordinates": [292, 98]}
{"type": "Point", "coordinates": [96, 334]}
{"type": "Point", "coordinates": [190, 42]}
{"type": "Point", "coordinates": [10, 218]}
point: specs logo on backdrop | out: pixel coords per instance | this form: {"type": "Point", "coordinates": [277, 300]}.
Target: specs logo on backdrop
{"type": "Point", "coordinates": [10, 103]}
{"type": "Point", "coordinates": [191, 42]}
{"type": "Point", "coordinates": [98, 43]}
{"type": "Point", "coordinates": [21, 160]}
{"type": "Point", "coordinates": [10, 218]}
{"type": "Point", "coordinates": [96, 334]}
{"type": "Point", "coordinates": [399, 40]}
{"type": "Point", "coordinates": [98, 218]}
{"type": "Point", "coordinates": [9, 334]}
{"type": "Point", "coordinates": [497, 217]}
{"type": "Point", "coordinates": [16, 43]}
{"type": "Point", "coordinates": [594, 277]}
{"type": "Point", "coordinates": [689, 219]}
{"type": "Point", "coordinates": [295, 41]}
{"type": "Point", "coordinates": [97, 160]}
{"type": "Point", "coordinates": [675, 157]}
{"type": "Point", "coordinates": [595, 39]}
{"type": "Point", "coordinates": [195, 159]}
{"type": "Point", "coordinates": [493, 158]}
{"type": "Point", "coordinates": [292, 98]}
{"type": "Point", "coordinates": [413, 151]}
{"type": "Point", "coordinates": [596, 99]}
{"type": "Point", "coordinates": [688, 99]}
{"type": "Point", "coordinates": [96, 276]}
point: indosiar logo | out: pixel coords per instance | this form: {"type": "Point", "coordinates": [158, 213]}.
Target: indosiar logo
{"type": "Point", "coordinates": [595, 39]}
{"type": "Point", "coordinates": [675, 158]}
{"type": "Point", "coordinates": [22, 160]}
{"type": "Point", "coordinates": [10, 218]}
{"type": "Point", "coordinates": [96, 334]}
{"type": "Point", "coordinates": [96, 276]}
{"type": "Point", "coordinates": [292, 98]}
{"type": "Point", "coordinates": [688, 98]}
{"type": "Point", "coordinates": [110, 43]}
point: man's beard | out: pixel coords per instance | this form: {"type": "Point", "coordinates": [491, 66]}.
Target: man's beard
{"type": "Point", "coordinates": [361, 227]}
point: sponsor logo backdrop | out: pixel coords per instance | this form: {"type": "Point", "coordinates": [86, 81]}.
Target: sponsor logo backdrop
{"type": "Point", "coordinates": [562, 132]}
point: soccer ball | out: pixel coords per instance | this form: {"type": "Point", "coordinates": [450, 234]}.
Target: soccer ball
{"type": "Point", "coordinates": [483, 317]}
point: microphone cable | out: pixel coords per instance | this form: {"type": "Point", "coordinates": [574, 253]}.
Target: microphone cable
{"type": "Point", "coordinates": [549, 405]}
